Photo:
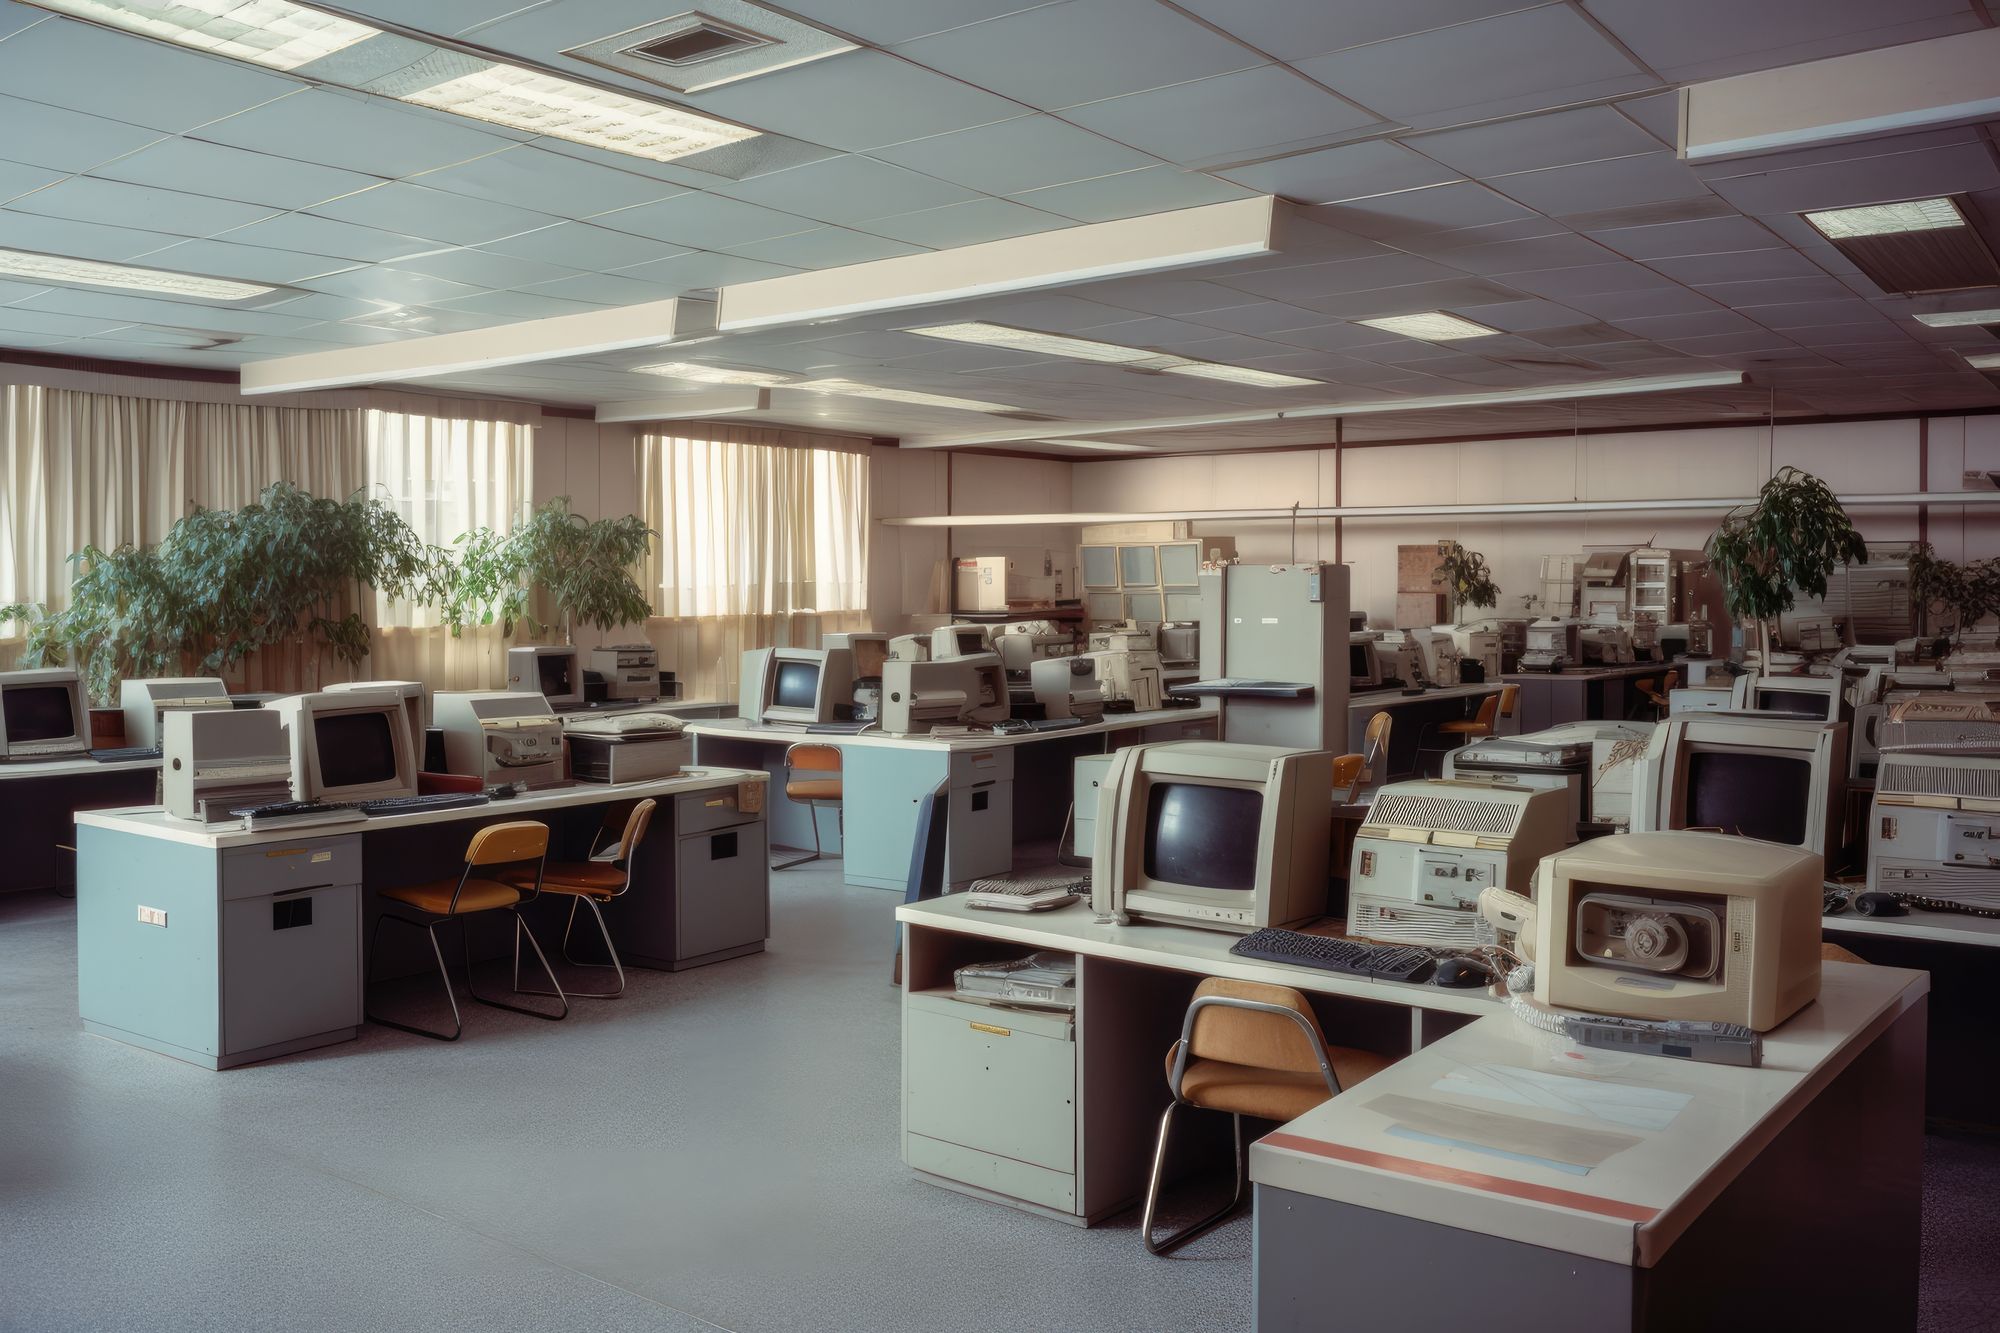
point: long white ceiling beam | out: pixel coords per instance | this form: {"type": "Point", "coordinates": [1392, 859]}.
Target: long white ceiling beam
{"type": "Point", "coordinates": [1984, 499]}
{"type": "Point", "coordinates": [687, 406]}
{"type": "Point", "coordinates": [558, 337]}
{"type": "Point", "coordinates": [1154, 243]}
{"type": "Point", "coordinates": [1056, 433]}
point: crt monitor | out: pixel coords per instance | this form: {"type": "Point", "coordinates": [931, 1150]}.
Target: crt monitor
{"type": "Point", "coordinates": [42, 714]}
{"type": "Point", "coordinates": [1756, 774]}
{"type": "Point", "coordinates": [1817, 697]}
{"type": "Point", "coordinates": [960, 641]}
{"type": "Point", "coordinates": [555, 673]}
{"type": "Point", "coordinates": [1364, 664]}
{"type": "Point", "coordinates": [349, 747]}
{"type": "Point", "coordinates": [1207, 833]}
{"type": "Point", "coordinates": [795, 684]}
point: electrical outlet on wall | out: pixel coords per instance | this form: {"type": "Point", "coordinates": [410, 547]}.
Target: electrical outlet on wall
{"type": "Point", "coordinates": [152, 916]}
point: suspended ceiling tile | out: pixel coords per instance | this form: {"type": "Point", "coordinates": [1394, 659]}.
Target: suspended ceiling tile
{"type": "Point", "coordinates": [26, 319]}
{"type": "Point", "coordinates": [825, 247]}
{"type": "Point", "coordinates": [1703, 236]}
{"type": "Point", "coordinates": [483, 268]}
{"type": "Point", "coordinates": [583, 246]}
{"type": "Point", "coordinates": [1348, 275]}
{"type": "Point", "coordinates": [37, 342]}
{"type": "Point", "coordinates": [1552, 57]}
{"type": "Point", "coordinates": [176, 314]}
{"type": "Point", "coordinates": [886, 22]}
{"type": "Point", "coordinates": [519, 305]}
{"type": "Point", "coordinates": [326, 306]}
{"type": "Point", "coordinates": [847, 190]}
{"type": "Point", "coordinates": [392, 286]}
{"type": "Point", "coordinates": [701, 269]}
{"type": "Point", "coordinates": [1956, 169]}
{"type": "Point", "coordinates": [1629, 303]}
{"type": "Point", "coordinates": [1777, 291]}
{"type": "Point", "coordinates": [1227, 118]}
{"type": "Point", "coordinates": [1171, 296]}
{"type": "Point", "coordinates": [83, 67]}
{"type": "Point", "coordinates": [1703, 324]}
{"type": "Point", "coordinates": [18, 179]}
{"type": "Point", "coordinates": [1291, 29]}
{"type": "Point", "coordinates": [413, 210]}
{"type": "Point", "coordinates": [1524, 256]}
{"type": "Point", "coordinates": [1622, 182]}
{"type": "Point", "coordinates": [84, 199]}
{"type": "Point", "coordinates": [13, 18]}
{"type": "Point", "coordinates": [1061, 55]}
{"type": "Point", "coordinates": [1131, 193]}
{"type": "Point", "coordinates": [1415, 298]}
{"type": "Point", "coordinates": [604, 288]}
{"type": "Point", "coordinates": [1351, 171]}
{"type": "Point", "coordinates": [1815, 322]}
{"type": "Point", "coordinates": [528, 176]}
{"type": "Point", "coordinates": [251, 263]}
{"type": "Point", "coordinates": [1260, 318]}
{"type": "Point", "coordinates": [1435, 208]}
{"type": "Point", "coordinates": [1533, 143]}
{"type": "Point", "coordinates": [966, 224]}
{"type": "Point", "coordinates": [328, 236]}
{"type": "Point", "coordinates": [1524, 316]}
{"type": "Point", "coordinates": [233, 173]}
{"type": "Point", "coordinates": [65, 140]}
{"type": "Point", "coordinates": [81, 240]}
{"type": "Point", "coordinates": [704, 220]}
{"type": "Point", "coordinates": [1010, 156]}
{"type": "Point", "coordinates": [1589, 280]}
{"type": "Point", "coordinates": [357, 133]}
{"type": "Point", "coordinates": [855, 102]}
{"type": "Point", "coordinates": [1711, 39]}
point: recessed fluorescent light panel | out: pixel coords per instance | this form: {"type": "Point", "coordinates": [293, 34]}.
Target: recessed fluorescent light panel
{"type": "Point", "coordinates": [297, 38]}
{"type": "Point", "coordinates": [95, 273]}
{"type": "Point", "coordinates": [1984, 361]}
{"type": "Point", "coordinates": [1844, 224]}
{"type": "Point", "coordinates": [1047, 344]}
{"type": "Point", "coordinates": [1260, 379]}
{"type": "Point", "coordinates": [1959, 319]}
{"type": "Point", "coordinates": [1100, 446]}
{"type": "Point", "coordinates": [854, 390]}
{"type": "Point", "coordinates": [1434, 327]}
{"type": "Point", "coordinates": [700, 374]}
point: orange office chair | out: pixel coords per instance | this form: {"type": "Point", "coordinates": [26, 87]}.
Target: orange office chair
{"type": "Point", "coordinates": [496, 853]}
{"type": "Point", "coordinates": [1249, 1049]}
{"type": "Point", "coordinates": [1662, 698]}
{"type": "Point", "coordinates": [605, 876]}
{"type": "Point", "coordinates": [1352, 771]}
{"type": "Point", "coordinates": [812, 778]}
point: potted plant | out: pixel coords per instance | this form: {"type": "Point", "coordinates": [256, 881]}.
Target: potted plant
{"type": "Point", "coordinates": [1967, 594]}
{"type": "Point", "coordinates": [556, 560]}
{"type": "Point", "coordinates": [1787, 542]}
{"type": "Point", "coordinates": [1467, 580]}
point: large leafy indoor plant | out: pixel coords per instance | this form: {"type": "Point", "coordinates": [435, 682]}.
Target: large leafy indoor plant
{"type": "Point", "coordinates": [556, 563]}
{"type": "Point", "coordinates": [1787, 542]}
{"type": "Point", "coordinates": [1951, 598]}
{"type": "Point", "coordinates": [1467, 580]}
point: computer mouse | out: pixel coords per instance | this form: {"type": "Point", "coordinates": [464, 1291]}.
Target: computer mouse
{"type": "Point", "coordinates": [504, 792]}
{"type": "Point", "coordinates": [1458, 972]}
{"type": "Point", "coordinates": [1879, 904]}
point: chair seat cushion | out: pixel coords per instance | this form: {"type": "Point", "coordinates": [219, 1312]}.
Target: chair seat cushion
{"type": "Point", "coordinates": [813, 789]}
{"type": "Point", "coordinates": [590, 879]}
{"type": "Point", "coordinates": [479, 895]}
{"type": "Point", "coordinates": [1463, 728]}
{"type": "Point", "coordinates": [1270, 1094]}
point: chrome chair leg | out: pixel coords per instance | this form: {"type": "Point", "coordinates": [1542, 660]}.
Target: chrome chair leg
{"type": "Point", "coordinates": [444, 974]}
{"type": "Point", "coordinates": [801, 860]}
{"type": "Point", "coordinates": [1175, 1240]}
{"type": "Point", "coordinates": [603, 930]}
{"type": "Point", "coordinates": [521, 928]}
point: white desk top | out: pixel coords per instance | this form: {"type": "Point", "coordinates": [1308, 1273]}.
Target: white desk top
{"type": "Point", "coordinates": [154, 822]}
{"type": "Point", "coordinates": [1395, 698]}
{"type": "Point", "coordinates": [1916, 924]}
{"type": "Point", "coordinates": [69, 768]}
{"type": "Point", "coordinates": [1074, 929]}
{"type": "Point", "coordinates": [736, 728]}
{"type": "Point", "coordinates": [1631, 1205]}
{"type": "Point", "coordinates": [1591, 672]}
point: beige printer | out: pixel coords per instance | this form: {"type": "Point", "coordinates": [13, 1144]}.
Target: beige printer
{"type": "Point", "coordinates": [212, 760]}
{"type": "Point", "coordinates": [628, 670]}
{"type": "Point", "coordinates": [143, 702]}
{"type": "Point", "coordinates": [500, 736]}
{"type": "Point", "coordinates": [627, 747]}
{"type": "Point", "coordinates": [917, 696]}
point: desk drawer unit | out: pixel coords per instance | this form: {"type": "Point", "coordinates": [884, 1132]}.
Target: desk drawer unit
{"type": "Point", "coordinates": [979, 835]}
{"type": "Point", "coordinates": [991, 1098]}
{"type": "Point", "coordinates": [1192, 729]}
{"type": "Point", "coordinates": [722, 899]}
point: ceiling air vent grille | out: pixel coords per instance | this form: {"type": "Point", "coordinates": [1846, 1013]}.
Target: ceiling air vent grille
{"type": "Point", "coordinates": [706, 40]}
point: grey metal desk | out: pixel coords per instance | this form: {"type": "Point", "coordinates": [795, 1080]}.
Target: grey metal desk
{"type": "Point", "coordinates": [222, 946]}
{"type": "Point", "coordinates": [1580, 694]}
{"type": "Point", "coordinates": [1004, 789]}
{"type": "Point", "coordinates": [38, 808]}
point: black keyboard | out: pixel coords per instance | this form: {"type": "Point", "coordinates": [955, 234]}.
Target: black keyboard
{"type": "Point", "coordinates": [1053, 723]}
{"type": "Point", "coordinates": [1381, 962]}
{"type": "Point", "coordinates": [118, 756]}
{"type": "Point", "coordinates": [387, 805]}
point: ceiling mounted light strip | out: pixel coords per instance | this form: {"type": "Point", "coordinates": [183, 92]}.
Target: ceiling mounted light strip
{"type": "Point", "coordinates": [1433, 326]}
{"type": "Point", "coordinates": [703, 374]}
{"type": "Point", "coordinates": [124, 277]}
{"type": "Point", "coordinates": [1089, 349]}
{"type": "Point", "coordinates": [853, 389]}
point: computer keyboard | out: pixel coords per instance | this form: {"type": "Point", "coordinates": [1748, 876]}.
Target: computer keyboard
{"type": "Point", "coordinates": [1382, 962]}
{"type": "Point", "coordinates": [1029, 893]}
{"type": "Point", "coordinates": [303, 811]}
{"type": "Point", "coordinates": [121, 755]}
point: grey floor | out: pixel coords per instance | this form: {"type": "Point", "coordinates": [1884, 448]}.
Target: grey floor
{"type": "Point", "coordinates": [716, 1150]}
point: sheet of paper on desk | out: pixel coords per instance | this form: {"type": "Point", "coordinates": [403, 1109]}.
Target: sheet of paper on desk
{"type": "Point", "coordinates": [1501, 1133]}
{"type": "Point", "coordinates": [1594, 1099]}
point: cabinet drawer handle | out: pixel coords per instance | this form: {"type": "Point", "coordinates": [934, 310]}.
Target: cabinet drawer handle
{"type": "Point", "coordinates": [990, 1029]}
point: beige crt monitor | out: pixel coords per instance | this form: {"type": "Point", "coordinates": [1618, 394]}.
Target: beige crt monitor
{"type": "Point", "coordinates": [411, 692]}
{"type": "Point", "coordinates": [1698, 926]}
{"type": "Point", "coordinates": [1208, 833]}
{"type": "Point", "coordinates": [142, 702]}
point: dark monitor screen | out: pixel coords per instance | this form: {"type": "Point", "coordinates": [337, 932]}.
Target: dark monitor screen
{"type": "Point", "coordinates": [553, 670]}
{"type": "Point", "coordinates": [37, 713]}
{"type": "Point", "coordinates": [1793, 703]}
{"type": "Point", "coordinates": [796, 686]}
{"type": "Point", "coordinates": [1757, 795]}
{"type": "Point", "coordinates": [1203, 837]}
{"type": "Point", "coordinates": [355, 749]}
{"type": "Point", "coordinates": [1357, 660]}
{"type": "Point", "coordinates": [970, 641]}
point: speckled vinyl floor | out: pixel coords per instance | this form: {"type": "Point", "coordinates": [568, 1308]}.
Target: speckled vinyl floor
{"type": "Point", "coordinates": [716, 1150]}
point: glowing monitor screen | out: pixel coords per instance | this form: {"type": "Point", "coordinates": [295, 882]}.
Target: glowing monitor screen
{"type": "Point", "coordinates": [796, 686]}
{"type": "Point", "coordinates": [1757, 795]}
{"type": "Point", "coordinates": [1203, 837]}
{"type": "Point", "coordinates": [355, 749]}
{"type": "Point", "coordinates": [37, 713]}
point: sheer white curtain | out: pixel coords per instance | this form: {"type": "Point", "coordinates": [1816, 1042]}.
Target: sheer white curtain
{"type": "Point", "coordinates": [446, 472]}
{"type": "Point", "coordinates": [763, 542]}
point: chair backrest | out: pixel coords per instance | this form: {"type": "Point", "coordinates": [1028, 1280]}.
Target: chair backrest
{"type": "Point", "coordinates": [1487, 708]}
{"type": "Point", "coordinates": [634, 833]}
{"type": "Point", "coordinates": [1375, 740]}
{"type": "Point", "coordinates": [1347, 776]}
{"type": "Point", "coordinates": [926, 878]}
{"type": "Point", "coordinates": [503, 844]}
{"type": "Point", "coordinates": [1248, 1037]}
{"type": "Point", "coordinates": [814, 757]}
{"type": "Point", "coordinates": [1510, 697]}
{"type": "Point", "coordinates": [1673, 682]}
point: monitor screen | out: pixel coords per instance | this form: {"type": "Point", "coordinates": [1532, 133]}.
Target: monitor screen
{"type": "Point", "coordinates": [1757, 795]}
{"type": "Point", "coordinates": [970, 641]}
{"type": "Point", "coordinates": [554, 671]}
{"type": "Point", "coordinates": [796, 686]}
{"type": "Point", "coordinates": [1795, 703]}
{"type": "Point", "coordinates": [1357, 660]}
{"type": "Point", "coordinates": [37, 713]}
{"type": "Point", "coordinates": [1203, 837]}
{"type": "Point", "coordinates": [355, 749]}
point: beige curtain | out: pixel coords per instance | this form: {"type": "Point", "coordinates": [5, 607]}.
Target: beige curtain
{"type": "Point", "coordinates": [763, 542]}
{"type": "Point", "coordinates": [447, 471]}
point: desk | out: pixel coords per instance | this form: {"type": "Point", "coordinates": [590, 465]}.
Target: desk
{"type": "Point", "coordinates": [1416, 717]}
{"type": "Point", "coordinates": [40, 801]}
{"type": "Point", "coordinates": [1581, 694]}
{"type": "Point", "coordinates": [258, 950]}
{"type": "Point", "coordinates": [1060, 1123]}
{"type": "Point", "coordinates": [1744, 1205]}
{"type": "Point", "coordinates": [1004, 789]}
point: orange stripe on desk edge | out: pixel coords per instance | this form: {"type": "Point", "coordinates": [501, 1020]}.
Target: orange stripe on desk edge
{"type": "Point", "coordinates": [1588, 1203]}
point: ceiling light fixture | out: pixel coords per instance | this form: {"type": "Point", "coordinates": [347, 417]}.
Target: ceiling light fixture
{"type": "Point", "coordinates": [701, 374]}
{"type": "Point", "coordinates": [1101, 446]}
{"type": "Point", "coordinates": [1029, 340]}
{"type": "Point", "coordinates": [1959, 319]}
{"type": "Point", "coordinates": [1434, 327]}
{"type": "Point", "coordinates": [852, 389]}
{"type": "Point", "coordinates": [1261, 379]}
{"type": "Point", "coordinates": [292, 38]}
{"type": "Point", "coordinates": [96, 273]}
{"type": "Point", "coordinates": [1984, 361]}
{"type": "Point", "coordinates": [1844, 224]}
